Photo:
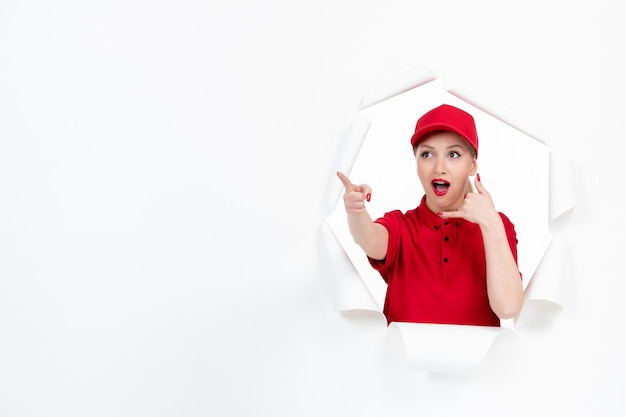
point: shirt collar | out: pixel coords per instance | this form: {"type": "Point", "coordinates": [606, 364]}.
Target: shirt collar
{"type": "Point", "coordinates": [431, 219]}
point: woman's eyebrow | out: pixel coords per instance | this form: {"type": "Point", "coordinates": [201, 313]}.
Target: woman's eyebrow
{"type": "Point", "coordinates": [456, 145]}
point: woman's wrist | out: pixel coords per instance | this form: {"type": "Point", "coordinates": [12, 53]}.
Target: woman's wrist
{"type": "Point", "coordinates": [492, 223]}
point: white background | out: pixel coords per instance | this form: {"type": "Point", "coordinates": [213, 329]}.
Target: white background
{"type": "Point", "coordinates": [162, 166]}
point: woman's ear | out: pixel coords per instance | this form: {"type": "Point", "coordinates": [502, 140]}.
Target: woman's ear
{"type": "Point", "coordinates": [474, 166]}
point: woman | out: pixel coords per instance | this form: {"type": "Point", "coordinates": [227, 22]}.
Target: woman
{"type": "Point", "coordinates": [453, 259]}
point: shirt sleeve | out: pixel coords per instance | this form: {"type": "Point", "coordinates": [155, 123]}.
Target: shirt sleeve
{"type": "Point", "coordinates": [511, 235]}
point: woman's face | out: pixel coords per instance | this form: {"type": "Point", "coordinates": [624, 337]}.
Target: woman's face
{"type": "Point", "coordinates": [444, 163]}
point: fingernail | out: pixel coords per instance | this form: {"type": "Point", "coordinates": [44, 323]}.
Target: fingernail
{"type": "Point", "coordinates": [439, 213]}
{"type": "Point", "coordinates": [368, 197]}
{"type": "Point", "coordinates": [478, 177]}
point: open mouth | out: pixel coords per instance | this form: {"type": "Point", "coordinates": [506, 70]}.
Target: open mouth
{"type": "Point", "coordinates": [440, 187]}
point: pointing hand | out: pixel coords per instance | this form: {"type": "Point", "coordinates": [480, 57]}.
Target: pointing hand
{"type": "Point", "coordinates": [355, 195]}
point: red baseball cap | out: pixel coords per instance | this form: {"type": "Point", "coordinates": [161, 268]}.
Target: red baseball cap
{"type": "Point", "coordinates": [447, 117]}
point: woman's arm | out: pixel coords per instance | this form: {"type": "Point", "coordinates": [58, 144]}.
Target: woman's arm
{"type": "Point", "coordinates": [371, 237]}
{"type": "Point", "coordinates": [504, 283]}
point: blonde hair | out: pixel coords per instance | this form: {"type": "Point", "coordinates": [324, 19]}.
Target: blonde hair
{"type": "Point", "coordinates": [469, 188]}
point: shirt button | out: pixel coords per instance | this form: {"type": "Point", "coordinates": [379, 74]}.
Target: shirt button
{"type": "Point", "coordinates": [445, 260]}
{"type": "Point", "coordinates": [446, 223]}
{"type": "Point", "coordinates": [446, 238]}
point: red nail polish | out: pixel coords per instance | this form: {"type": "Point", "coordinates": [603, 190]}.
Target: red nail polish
{"type": "Point", "coordinates": [478, 177]}
{"type": "Point", "coordinates": [439, 213]}
{"type": "Point", "coordinates": [368, 197]}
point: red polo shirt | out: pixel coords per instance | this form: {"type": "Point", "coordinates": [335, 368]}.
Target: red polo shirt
{"type": "Point", "coordinates": [435, 269]}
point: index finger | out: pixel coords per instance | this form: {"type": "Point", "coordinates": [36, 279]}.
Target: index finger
{"type": "Point", "coordinates": [479, 185]}
{"type": "Point", "coordinates": [346, 182]}
{"type": "Point", "coordinates": [450, 214]}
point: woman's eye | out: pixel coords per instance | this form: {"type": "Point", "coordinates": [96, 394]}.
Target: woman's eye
{"type": "Point", "coordinates": [454, 154]}
{"type": "Point", "coordinates": [426, 154]}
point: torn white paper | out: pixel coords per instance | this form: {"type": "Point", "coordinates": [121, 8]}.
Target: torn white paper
{"type": "Point", "coordinates": [543, 298]}
{"type": "Point", "coordinates": [446, 348]}
{"type": "Point", "coordinates": [347, 289]}
{"type": "Point", "coordinates": [562, 193]}
{"type": "Point", "coordinates": [481, 99]}
{"type": "Point", "coordinates": [454, 348]}
{"type": "Point", "coordinates": [413, 77]}
{"type": "Point", "coordinates": [347, 152]}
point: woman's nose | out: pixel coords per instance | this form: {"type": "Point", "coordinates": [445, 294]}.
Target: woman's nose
{"type": "Point", "coordinates": [440, 166]}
